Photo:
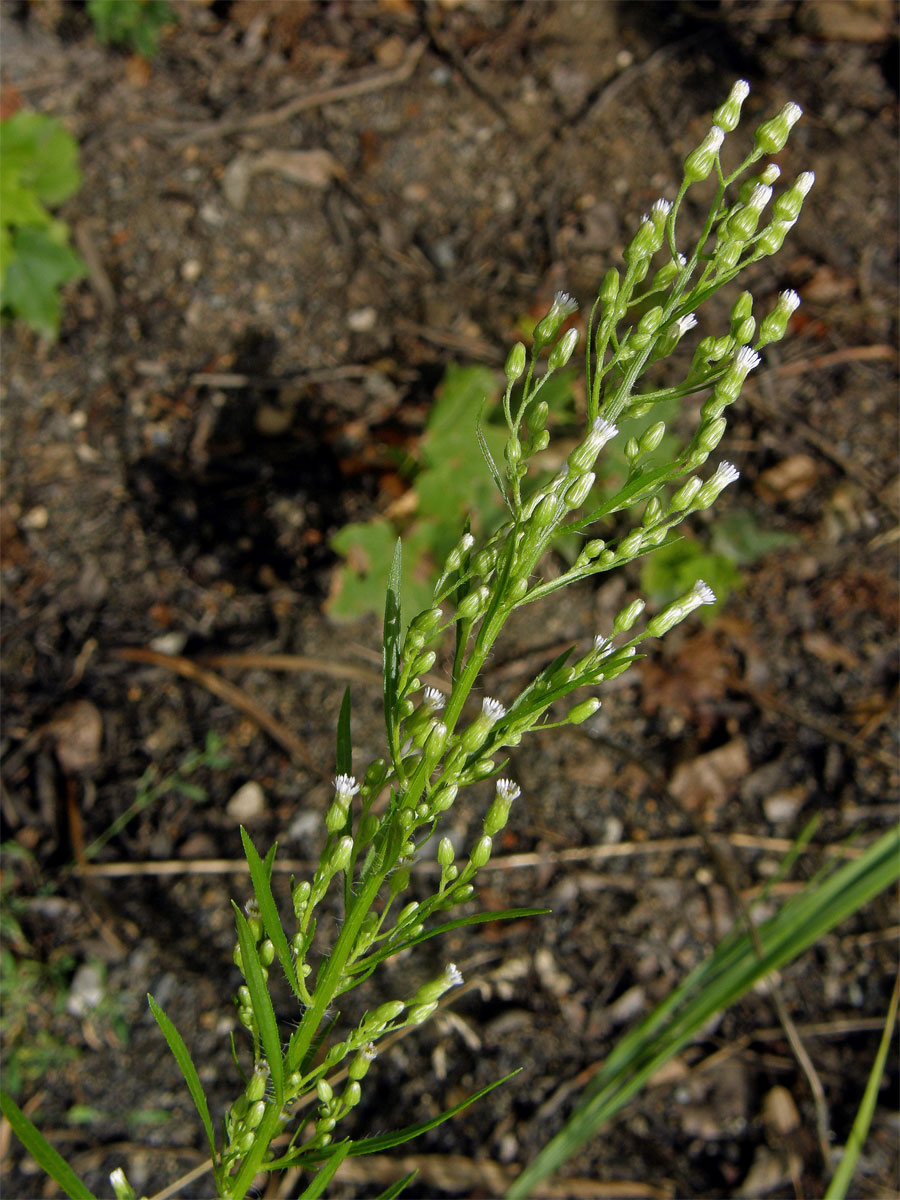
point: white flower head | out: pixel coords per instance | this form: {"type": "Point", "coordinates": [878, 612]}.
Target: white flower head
{"type": "Point", "coordinates": [661, 209]}
{"type": "Point", "coordinates": [508, 790]}
{"type": "Point", "coordinates": [563, 305]}
{"type": "Point", "coordinates": [602, 645]}
{"type": "Point", "coordinates": [740, 91]}
{"type": "Point", "coordinates": [346, 786]}
{"type": "Point", "coordinates": [369, 1052]}
{"type": "Point", "coordinates": [434, 699]}
{"type": "Point", "coordinates": [492, 709]}
{"type": "Point", "coordinates": [759, 197]}
{"type": "Point", "coordinates": [725, 474]}
{"type": "Point", "coordinates": [453, 975]}
{"type": "Point", "coordinates": [466, 542]}
{"type": "Point", "coordinates": [703, 593]}
{"type": "Point", "coordinates": [789, 300]}
{"type": "Point", "coordinates": [714, 138]}
{"type": "Point", "coordinates": [770, 174]}
{"type": "Point", "coordinates": [680, 259]}
{"type": "Point", "coordinates": [683, 324]}
{"type": "Point", "coordinates": [746, 359]}
{"type": "Point", "coordinates": [804, 182]}
{"type": "Point", "coordinates": [791, 113]}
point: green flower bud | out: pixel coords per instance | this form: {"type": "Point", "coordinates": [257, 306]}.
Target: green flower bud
{"type": "Point", "coordinates": [627, 616]}
{"type": "Point", "coordinates": [709, 492]}
{"type": "Point", "coordinates": [121, 1186]}
{"type": "Point", "coordinates": [546, 330]}
{"type": "Point", "coordinates": [581, 712]}
{"type": "Point", "coordinates": [513, 453]}
{"type": "Point", "coordinates": [711, 433]}
{"type": "Point", "coordinates": [584, 455]}
{"type": "Point", "coordinates": [481, 852]}
{"type": "Point", "coordinates": [515, 363]}
{"type": "Point", "coordinates": [361, 1063]}
{"type": "Point", "coordinates": [700, 162]}
{"type": "Point", "coordinates": [728, 114]}
{"type": "Point", "coordinates": [536, 417]}
{"type": "Point", "coordinates": [632, 450]}
{"type": "Point", "coordinates": [772, 237]}
{"type": "Point", "coordinates": [743, 333]}
{"type": "Point", "coordinates": [473, 605]}
{"type": "Point", "coordinates": [579, 491]}
{"type": "Point", "coordinates": [651, 438]}
{"type": "Point", "coordinates": [443, 799]}
{"type": "Point", "coordinates": [699, 594]}
{"type": "Point", "coordinates": [609, 288]}
{"type": "Point", "coordinates": [631, 543]}
{"type": "Point", "coordinates": [386, 1013]}
{"type": "Point", "coordinates": [462, 893]}
{"type": "Point", "coordinates": [300, 898]}
{"type": "Point", "coordinates": [255, 1114]}
{"type": "Point", "coordinates": [245, 1142]}
{"type": "Point", "coordinates": [476, 734]}
{"type": "Point", "coordinates": [352, 1095]}
{"type": "Point", "coordinates": [787, 206]}
{"type": "Point", "coordinates": [339, 859]}
{"type": "Point", "coordinates": [455, 557]}
{"type": "Point", "coordinates": [774, 326]}
{"type": "Point", "coordinates": [646, 328]}
{"type": "Point", "coordinates": [429, 992]}
{"type": "Point", "coordinates": [770, 137]}
{"type": "Point", "coordinates": [408, 913]}
{"type": "Point", "coordinates": [266, 952]}
{"type": "Point", "coordinates": [652, 512]}
{"type": "Point", "coordinates": [498, 813]}
{"type": "Point", "coordinates": [562, 351]}
{"type": "Point", "coordinates": [446, 855]}
{"type": "Point", "coordinates": [741, 224]}
{"type": "Point", "coordinates": [421, 1013]}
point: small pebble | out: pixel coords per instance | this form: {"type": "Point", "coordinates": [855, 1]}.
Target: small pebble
{"type": "Point", "coordinates": [247, 803]}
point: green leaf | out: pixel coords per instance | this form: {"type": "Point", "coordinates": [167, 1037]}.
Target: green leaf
{"type": "Point", "coordinates": [395, 1189]}
{"type": "Point", "coordinates": [42, 1152]}
{"type": "Point", "coordinates": [323, 1177]}
{"type": "Point", "coordinates": [368, 548]}
{"type": "Point", "coordinates": [260, 876]}
{"type": "Point", "coordinates": [344, 757]}
{"type": "Point", "coordinates": [729, 973]}
{"type": "Point", "coordinates": [41, 154]}
{"type": "Point", "coordinates": [188, 1070]}
{"type": "Point", "coordinates": [262, 1004]}
{"type": "Point", "coordinates": [39, 265]}
{"type": "Point", "coordinates": [391, 645]}
{"type": "Point", "coordinates": [19, 205]}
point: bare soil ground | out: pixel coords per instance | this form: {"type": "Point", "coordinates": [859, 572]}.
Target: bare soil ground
{"type": "Point", "coordinates": [258, 331]}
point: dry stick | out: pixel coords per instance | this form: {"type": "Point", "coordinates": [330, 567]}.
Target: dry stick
{"type": "Point", "coordinates": [275, 116]}
{"type": "Point", "coordinates": [225, 691]}
{"type": "Point", "coordinates": [293, 662]}
{"type": "Point", "coordinates": [726, 877]}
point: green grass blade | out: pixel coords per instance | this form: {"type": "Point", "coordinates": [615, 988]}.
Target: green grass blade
{"type": "Point", "coordinates": [390, 1193]}
{"type": "Point", "coordinates": [262, 1004]}
{"type": "Point", "coordinates": [268, 910]}
{"type": "Point", "coordinates": [42, 1152]}
{"type": "Point", "coordinates": [344, 741]}
{"type": "Point", "coordinates": [843, 1176]}
{"type": "Point", "coordinates": [188, 1070]}
{"type": "Point", "coordinates": [729, 973]}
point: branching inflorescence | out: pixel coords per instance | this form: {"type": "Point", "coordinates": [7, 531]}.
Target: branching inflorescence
{"type": "Point", "coordinates": [639, 318]}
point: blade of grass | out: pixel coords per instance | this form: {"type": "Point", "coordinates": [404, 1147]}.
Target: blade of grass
{"type": "Point", "coordinates": [843, 1176]}
{"type": "Point", "coordinates": [723, 978]}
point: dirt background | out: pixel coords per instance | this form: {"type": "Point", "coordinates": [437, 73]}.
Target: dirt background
{"type": "Point", "coordinates": [255, 339]}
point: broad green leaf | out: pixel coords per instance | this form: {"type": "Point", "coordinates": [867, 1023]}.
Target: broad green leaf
{"type": "Point", "coordinates": [42, 1152]}
{"type": "Point", "coordinates": [260, 876]}
{"type": "Point", "coordinates": [39, 265]}
{"type": "Point", "coordinates": [19, 205]}
{"type": "Point", "coordinates": [188, 1070]}
{"type": "Point", "coordinates": [368, 548]}
{"type": "Point", "coordinates": [262, 1004]}
{"type": "Point", "coordinates": [42, 154]}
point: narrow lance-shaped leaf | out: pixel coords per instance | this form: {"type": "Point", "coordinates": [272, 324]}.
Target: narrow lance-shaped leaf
{"type": "Point", "coordinates": [262, 1004]}
{"type": "Point", "coordinates": [188, 1070]}
{"type": "Point", "coordinates": [42, 1152]}
{"type": "Point", "coordinates": [260, 876]}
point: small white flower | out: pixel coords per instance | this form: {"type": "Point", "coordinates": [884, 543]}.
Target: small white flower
{"type": "Point", "coordinates": [746, 359]}
{"type": "Point", "coordinates": [563, 304]}
{"type": "Point", "coordinates": [681, 260]}
{"type": "Point", "coordinates": [740, 91]}
{"type": "Point", "coordinates": [492, 709]}
{"type": "Point", "coordinates": [369, 1052]}
{"type": "Point", "coordinates": [453, 975]}
{"type": "Point", "coordinates": [346, 786]}
{"type": "Point", "coordinates": [714, 138]}
{"type": "Point", "coordinates": [602, 645]}
{"type": "Point", "coordinates": [660, 210]}
{"type": "Point", "coordinates": [759, 197]}
{"type": "Point", "coordinates": [725, 474]}
{"type": "Point", "coordinates": [792, 113]}
{"type": "Point", "coordinates": [508, 790]}
{"type": "Point", "coordinates": [683, 324]}
{"type": "Point", "coordinates": [703, 593]}
{"type": "Point", "coordinates": [789, 300]}
{"type": "Point", "coordinates": [804, 182]}
{"type": "Point", "coordinates": [770, 174]}
{"type": "Point", "coordinates": [434, 699]}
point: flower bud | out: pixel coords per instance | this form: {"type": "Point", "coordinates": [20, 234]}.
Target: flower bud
{"type": "Point", "coordinates": [515, 363]}
{"type": "Point", "coordinates": [652, 512]}
{"type": "Point", "coordinates": [455, 557]}
{"type": "Point", "coordinates": [627, 616]}
{"type": "Point", "coordinates": [728, 114]}
{"type": "Point", "coordinates": [385, 1013]}
{"type": "Point", "coordinates": [725, 474]}
{"type": "Point", "coordinates": [562, 351]}
{"type": "Point", "coordinates": [429, 992]}
{"type": "Point", "coordinates": [700, 593]}
{"type": "Point", "coordinates": [361, 1063]}
{"type": "Point", "coordinates": [651, 438]}
{"type": "Point", "coordinates": [498, 813]}
{"type": "Point", "coordinates": [408, 913]}
{"type": "Point", "coordinates": [684, 497]}
{"type": "Point", "coordinates": [584, 455]}
{"type": "Point", "coordinates": [255, 1114]}
{"type": "Point", "coordinates": [324, 1091]}
{"type": "Point", "coordinates": [711, 433]}
{"type": "Point", "coordinates": [300, 898]}
{"type": "Point", "coordinates": [787, 206]}
{"type": "Point", "coordinates": [631, 543]}
{"type": "Point", "coordinates": [473, 605]}
{"type": "Point", "coordinates": [609, 288]}
{"type": "Point", "coordinates": [352, 1094]}
{"type": "Point", "coordinates": [699, 162]}
{"type": "Point", "coordinates": [120, 1185]}
{"type": "Point", "coordinates": [481, 852]}
{"type": "Point", "coordinates": [339, 858]}
{"type": "Point", "coordinates": [579, 490]}
{"type": "Point", "coordinates": [771, 136]}
{"type": "Point", "coordinates": [741, 224]}
{"type": "Point", "coordinates": [546, 330]}
{"type": "Point", "coordinates": [476, 734]}
{"type": "Point", "coordinates": [421, 1013]}
{"type": "Point", "coordinates": [581, 712]}
{"type": "Point", "coordinates": [773, 327]}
